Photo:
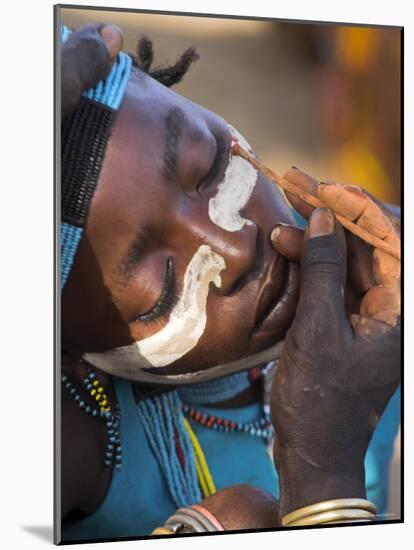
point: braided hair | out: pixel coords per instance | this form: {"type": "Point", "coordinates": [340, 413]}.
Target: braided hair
{"type": "Point", "coordinates": [168, 76]}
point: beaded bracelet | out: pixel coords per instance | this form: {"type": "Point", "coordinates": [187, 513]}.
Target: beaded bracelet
{"type": "Point", "coordinates": [190, 519]}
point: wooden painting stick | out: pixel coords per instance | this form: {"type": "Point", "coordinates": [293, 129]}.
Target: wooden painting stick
{"type": "Point", "coordinates": [236, 149]}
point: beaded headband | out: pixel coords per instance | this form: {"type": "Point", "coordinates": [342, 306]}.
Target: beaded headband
{"type": "Point", "coordinates": [85, 134]}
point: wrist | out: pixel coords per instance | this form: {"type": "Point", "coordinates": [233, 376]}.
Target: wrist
{"type": "Point", "coordinates": [303, 483]}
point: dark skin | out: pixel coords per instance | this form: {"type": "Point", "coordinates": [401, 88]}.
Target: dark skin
{"type": "Point", "coordinates": [329, 359]}
{"type": "Point", "coordinates": [105, 294]}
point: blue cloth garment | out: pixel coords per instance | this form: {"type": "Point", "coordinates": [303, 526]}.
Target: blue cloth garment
{"type": "Point", "coordinates": [379, 455]}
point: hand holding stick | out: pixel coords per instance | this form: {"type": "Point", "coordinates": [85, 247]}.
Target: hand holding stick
{"type": "Point", "coordinates": [354, 228]}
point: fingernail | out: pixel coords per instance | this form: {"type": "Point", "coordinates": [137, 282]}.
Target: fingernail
{"type": "Point", "coordinates": [112, 36]}
{"type": "Point", "coordinates": [275, 234]}
{"type": "Point", "coordinates": [321, 223]}
{"type": "Point", "coordinates": [354, 189]}
{"type": "Point", "coordinates": [276, 231]}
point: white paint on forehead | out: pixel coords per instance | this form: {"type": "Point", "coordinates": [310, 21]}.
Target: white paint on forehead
{"type": "Point", "coordinates": [234, 191]}
{"type": "Point", "coordinates": [184, 328]}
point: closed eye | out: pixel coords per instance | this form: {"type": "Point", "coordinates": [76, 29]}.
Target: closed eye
{"type": "Point", "coordinates": [166, 300]}
{"type": "Point", "coordinates": [217, 169]}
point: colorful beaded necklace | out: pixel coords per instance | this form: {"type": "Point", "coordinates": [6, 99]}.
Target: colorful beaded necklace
{"type": "Point", "coordinates": [259, 428]}
{"type": "Point", "coordinates": [113, 451]}
{"type": "Point", "coordinates": [166, 419]}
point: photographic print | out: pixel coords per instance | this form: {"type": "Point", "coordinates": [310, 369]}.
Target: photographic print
{"type": "Point", "coordinates": [229, 250]}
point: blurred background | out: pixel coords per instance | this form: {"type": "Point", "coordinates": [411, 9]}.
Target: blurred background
{"type": "Point", "coordinates": [325, 98]}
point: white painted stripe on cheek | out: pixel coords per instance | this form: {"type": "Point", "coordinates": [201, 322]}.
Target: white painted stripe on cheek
{"type": "Point", "coordinates": [184, 328]}
{"type": "Point", "coordinates": [234, 191]}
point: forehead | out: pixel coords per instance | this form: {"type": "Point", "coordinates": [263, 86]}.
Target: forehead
{"type": "Point", "coordinates": [147, 104]}
{"type": "Point", "coordinates": [133, 157]}
{"type": "Point", "coordinates": [147, 101]}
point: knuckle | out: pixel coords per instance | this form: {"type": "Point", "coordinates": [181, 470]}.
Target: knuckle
{"type": "Point", "coordinates": [90, 46]}
{"type": "Point", "coordinates": [324, 249]}
{"type": "Point", "coordinates": [321, 253]}
{"type": "Point", "coordinates": [374, 220]}
{"type": "Point", "coordinates": [344, 200]}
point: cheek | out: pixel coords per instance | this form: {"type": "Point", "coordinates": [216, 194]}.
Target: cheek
{"type": "Point", "coordinates": [90, 318]}
{"type": "Point", "coordinates": [226, 335]}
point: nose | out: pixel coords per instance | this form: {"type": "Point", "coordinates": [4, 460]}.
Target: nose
{"type": "Point", "coordinates": [239, 249]}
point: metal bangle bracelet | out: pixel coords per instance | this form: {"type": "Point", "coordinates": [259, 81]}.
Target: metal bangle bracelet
{"type": "Point", "coordinates": [328, 506]}
{"type": "Point", "coordinates": [334, 516]}
{"type": "Point", "coordinates": [190, 520]}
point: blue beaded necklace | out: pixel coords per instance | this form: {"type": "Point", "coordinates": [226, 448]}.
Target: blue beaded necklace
{"type": "Point", "coordinates": [162, 419]}
{"type": "Point", "coordinates": [164, 416]}
{"type": "Point", "coordinates": [215, 391]}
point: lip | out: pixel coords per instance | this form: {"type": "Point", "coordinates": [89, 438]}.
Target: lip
{"type": "Point", "coordinates": [271, 289]}
{"type": "Point", "coordinates": [277, 302]}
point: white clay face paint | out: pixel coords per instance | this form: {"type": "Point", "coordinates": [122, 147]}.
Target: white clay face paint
{"type": "Point", "coordinates": [234, 191]}
{"type": "Point", "coordinates": [184, 328]}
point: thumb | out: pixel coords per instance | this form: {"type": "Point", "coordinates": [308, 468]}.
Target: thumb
{"type": "Point", "coordinates": [87, 55]}
{"type": "Point", "coordinates": [323, 270]}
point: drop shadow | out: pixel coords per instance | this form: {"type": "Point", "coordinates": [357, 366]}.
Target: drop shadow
{"type": "Point", "coordinates": [43, 532]}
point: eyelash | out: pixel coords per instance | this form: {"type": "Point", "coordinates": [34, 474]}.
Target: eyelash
{"type": "Point", "coordinates": [217, 162]}
{"type": "Point", "coordinates": [166, 300]}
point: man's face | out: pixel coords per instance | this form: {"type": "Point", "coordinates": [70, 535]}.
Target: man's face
{"type": "Point", "coordinates": [176, 254]}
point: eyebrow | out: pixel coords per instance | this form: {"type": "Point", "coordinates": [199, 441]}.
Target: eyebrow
{"type": "Point", "coordinates": [173, 130]}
